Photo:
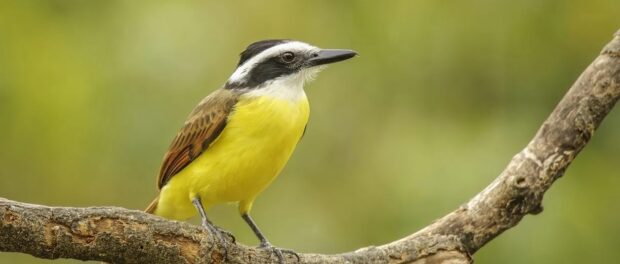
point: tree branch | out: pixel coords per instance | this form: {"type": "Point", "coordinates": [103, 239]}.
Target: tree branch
{"type": "Point", "coordinates": [124, 236]}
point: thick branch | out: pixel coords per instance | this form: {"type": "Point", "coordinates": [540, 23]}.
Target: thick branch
{"type": "Point", "coordinates": [123, 236]}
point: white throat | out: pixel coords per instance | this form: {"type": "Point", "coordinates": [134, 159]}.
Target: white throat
{"type": "Point", "coordinates": [289, 88]}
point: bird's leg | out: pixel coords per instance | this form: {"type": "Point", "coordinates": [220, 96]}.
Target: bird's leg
{"type": "Point", "coordinates": [264, 243]}
{"type": "Point", "coordinates": [206, 223]}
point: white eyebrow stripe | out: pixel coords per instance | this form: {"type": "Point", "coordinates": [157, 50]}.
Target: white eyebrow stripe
{"type": "Point", "coordinates": [241, 72]}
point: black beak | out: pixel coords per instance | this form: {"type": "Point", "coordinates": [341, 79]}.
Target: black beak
{"type": "Point", "coordinates": [326, 56]}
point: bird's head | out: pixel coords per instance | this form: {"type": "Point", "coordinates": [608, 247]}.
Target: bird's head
{"type": "Point", "coordinates": [281, 64]}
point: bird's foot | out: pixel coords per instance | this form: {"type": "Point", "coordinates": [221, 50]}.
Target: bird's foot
{"type": "Point", "coordinates": [279, 252]}
{"type": "Point", "coordinates": [219, 232]}
{"type": "Point", "coordinates": [218, 237]}
{"type": "Point", "coordinates": [230, 236]}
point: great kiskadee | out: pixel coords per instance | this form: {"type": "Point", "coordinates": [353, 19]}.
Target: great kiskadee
{"type": "Point", "coordinates": [237, 139]}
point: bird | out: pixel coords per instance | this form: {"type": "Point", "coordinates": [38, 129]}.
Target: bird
{"type": "Point", "coordinates": [237, 139]}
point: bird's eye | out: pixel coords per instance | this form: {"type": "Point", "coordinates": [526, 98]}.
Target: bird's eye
{"type": "Point", "coordinates": [288, 57]}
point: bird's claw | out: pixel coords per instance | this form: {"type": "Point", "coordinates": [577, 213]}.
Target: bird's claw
{"type": "Point", "coordinates": [218, 231]}
{"type": "Point", "coordinates": [218, 235]}
{"type": "Point", "coordinates": [228, 234]}
{"type": "Point", "coordinates": [279, 251]}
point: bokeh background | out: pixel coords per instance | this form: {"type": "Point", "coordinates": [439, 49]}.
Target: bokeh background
{"type": "Point", "coordinates": [443, 94]}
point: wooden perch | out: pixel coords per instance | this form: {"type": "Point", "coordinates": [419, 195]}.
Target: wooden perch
{"type": "Point", "coordinates": [124, 236]}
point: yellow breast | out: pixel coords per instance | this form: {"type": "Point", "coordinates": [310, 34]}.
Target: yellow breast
{"type": "Point", "coordinates": [256, 143]}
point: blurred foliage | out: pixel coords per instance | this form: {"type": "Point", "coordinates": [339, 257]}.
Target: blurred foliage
{"type": "Point", "coordinates": [442, 96]}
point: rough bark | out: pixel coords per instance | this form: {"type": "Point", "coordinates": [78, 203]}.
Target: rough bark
{"type": "Point", "coordinates": [123, 236]}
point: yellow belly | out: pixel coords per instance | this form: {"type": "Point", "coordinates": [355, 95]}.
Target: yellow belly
{"type": "Point", "coordinates": [256, 143]}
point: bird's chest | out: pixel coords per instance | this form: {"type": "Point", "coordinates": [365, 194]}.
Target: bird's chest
{"type": "Point", "coordinates": [258, 140]}
{"type": "Point", "coordinates": [269, 122]}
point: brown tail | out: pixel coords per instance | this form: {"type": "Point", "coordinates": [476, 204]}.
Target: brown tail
{"type": "Point", "coordinates": [152, 206]}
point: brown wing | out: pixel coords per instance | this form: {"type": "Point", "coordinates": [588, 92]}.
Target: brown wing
{"type": "Point", "coordinates": [202, 127]}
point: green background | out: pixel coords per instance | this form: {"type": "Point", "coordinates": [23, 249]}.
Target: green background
{"type": "Point", "coordinates": [443, 94]}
